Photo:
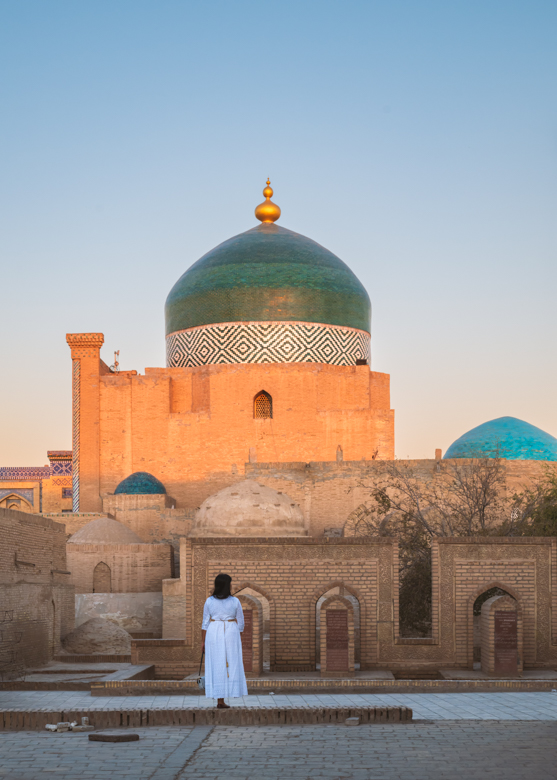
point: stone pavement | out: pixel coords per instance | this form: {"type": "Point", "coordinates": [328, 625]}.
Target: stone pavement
{"type": "Point", "coordinates": [426, 750]}
{"type": "Point", "coordinates": [429, 706]}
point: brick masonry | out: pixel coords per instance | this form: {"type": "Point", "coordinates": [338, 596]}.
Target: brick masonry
{"type": "Point", "coordinates": [133, 568]}
{"type": "Point", "coordinates": [292, 574]}
{"type": "Point", "coordinates": [36, 597]}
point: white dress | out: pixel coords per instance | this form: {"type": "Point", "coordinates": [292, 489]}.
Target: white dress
{"type": "Point", "coordinates": [224, 665]}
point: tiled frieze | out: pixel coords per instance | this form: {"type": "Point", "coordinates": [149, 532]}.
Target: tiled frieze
{"type": "Point", "coordinates": [267, 342]}
{"type": "Point", "coordinates": [24, 473]}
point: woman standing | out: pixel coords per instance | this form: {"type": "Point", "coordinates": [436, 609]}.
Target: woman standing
{"type": "Point", "coordinates": [223, 621]}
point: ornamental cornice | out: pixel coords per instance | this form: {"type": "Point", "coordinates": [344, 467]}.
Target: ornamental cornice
{"type": "Point", "coordinates": [95, 340]}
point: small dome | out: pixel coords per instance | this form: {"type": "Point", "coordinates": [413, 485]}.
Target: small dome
{"type": "Point", "coordinates": [104, 530]}
{"type": "Point", "coordinates": [248, 509]}
{"type": "Point", "coordinates": [506, 437]}
{"type": "Point", "coordinates": [140, 483]}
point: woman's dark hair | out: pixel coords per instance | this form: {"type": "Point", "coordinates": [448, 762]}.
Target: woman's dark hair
{"type": "Point", "coordinates": [222, 586]}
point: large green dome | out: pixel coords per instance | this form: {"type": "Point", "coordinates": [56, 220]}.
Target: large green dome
{"type": "Point", "coordinates": [268, 274]}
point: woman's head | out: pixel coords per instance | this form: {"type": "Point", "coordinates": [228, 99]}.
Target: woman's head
{"type": "Point", "coordinates": [222, 586]}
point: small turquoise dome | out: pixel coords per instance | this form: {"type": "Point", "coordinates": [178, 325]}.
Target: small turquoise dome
{"type": "Point", "coordinates": [140, 483]}
{"type": "Point", "coordinates": [266, 274]}
{"type": "Point", "coordinates": [507, 437]}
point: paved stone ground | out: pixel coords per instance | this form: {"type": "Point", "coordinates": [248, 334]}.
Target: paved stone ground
{"type": "Point", "coordinates": [431, 706]}
{"type": "Point", "coordinates": [439, 750]}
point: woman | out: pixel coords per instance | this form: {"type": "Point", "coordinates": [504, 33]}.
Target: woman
{"type": "Point", "coordinates": [223, 620]}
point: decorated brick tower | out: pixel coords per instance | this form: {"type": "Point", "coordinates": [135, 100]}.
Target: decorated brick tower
{"type": "Point", "coordinates": [268, 360]}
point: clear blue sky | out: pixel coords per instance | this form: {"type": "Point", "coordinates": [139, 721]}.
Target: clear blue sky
{"type": "Point", "coordinates": [417, 140]}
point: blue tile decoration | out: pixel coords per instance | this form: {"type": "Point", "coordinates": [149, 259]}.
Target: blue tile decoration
{"type": "Point", "coordinates": [268, 274]}
{"type": "Point", "coordinates": [267, 342]}
{"type": "Point", "coordinates": [61, 468]}
{"type": "Point", "coordinates": [507, 437]}
{"type": "Point", "coordinates": [140, 483]}
{"type": "Point", "coordinates": [25, 493]}
{"type": "Point", "coordinates": [24, 473]}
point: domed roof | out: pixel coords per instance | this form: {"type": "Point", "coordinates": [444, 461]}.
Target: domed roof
{"type": "Point", "coordinates": [248, 509]}
{"type": "Point", "coordinates": [266, 274]}
{"type": "Point", "coordinates": [507, 437]}
{"type": "Point", "coordinates": [105, 530]}
{"type": "Point", "coordinates": [140, 483]}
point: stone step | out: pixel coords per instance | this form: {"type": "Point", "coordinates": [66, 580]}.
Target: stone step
{"type": "Point", "coordinates": [34, 720]}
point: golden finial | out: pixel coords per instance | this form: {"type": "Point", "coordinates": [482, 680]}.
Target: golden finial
{"type": "Point", "coordinates": [267, 211]}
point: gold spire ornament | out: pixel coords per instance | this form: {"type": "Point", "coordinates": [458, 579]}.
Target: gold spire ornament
{"type": "Point", "coordinates": [267, 211]}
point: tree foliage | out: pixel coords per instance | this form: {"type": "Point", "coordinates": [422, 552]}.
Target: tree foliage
{"type": "Point", "coordinates": [467, 497]}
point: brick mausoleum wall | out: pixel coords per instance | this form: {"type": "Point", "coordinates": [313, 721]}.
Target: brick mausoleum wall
{"type": "Point", "coordinates": [134, 568]}
{"type": "Point", "coordinates": [293, 573]}
{"type": "Point", "coordinates": [36, 599]}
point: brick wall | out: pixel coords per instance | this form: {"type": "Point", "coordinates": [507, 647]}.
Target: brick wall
{"type": "Point", "coordinates": [161, 422]}
{"type": "Point", "coordinates": [134, 568]}
{"type": "Point", "coordinates": [292, 575]}
{"type": "Point", "coordinates": [36, 597]}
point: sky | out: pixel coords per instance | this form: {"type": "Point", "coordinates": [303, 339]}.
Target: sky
{"type": "Point", "coordinates": [415, 139]}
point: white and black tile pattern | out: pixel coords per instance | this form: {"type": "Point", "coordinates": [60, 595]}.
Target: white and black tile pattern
{"type": "Point", "coordinates": [267, 342]}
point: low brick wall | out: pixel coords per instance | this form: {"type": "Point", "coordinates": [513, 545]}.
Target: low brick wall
{"type": "Point", "coordinates": [236, 716]}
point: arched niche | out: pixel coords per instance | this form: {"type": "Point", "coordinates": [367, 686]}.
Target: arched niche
{"type": "Point", "coordinates": [102, 578]}
{"type": "Point", "coordinates": [346, 593]}
{"type": "Point", "coordinates": [475, 603]}
{"type": "Point", "coordinates": [262, 599]}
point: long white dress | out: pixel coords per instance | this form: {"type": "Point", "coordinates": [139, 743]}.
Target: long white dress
{"type": "Point", "coordinates": [224, 665]}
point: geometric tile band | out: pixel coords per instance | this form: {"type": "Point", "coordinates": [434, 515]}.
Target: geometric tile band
{"type": "Point", "coordinates": [266, 342]}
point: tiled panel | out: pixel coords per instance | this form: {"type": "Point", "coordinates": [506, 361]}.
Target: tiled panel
{"type": "Point", "coordinates": [267, 342]}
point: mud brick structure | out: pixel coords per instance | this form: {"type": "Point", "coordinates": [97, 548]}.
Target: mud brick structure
{"type": "Point", "coordinates": [36, 597]}
{"type": "Point", "coordinates": [502, 636]}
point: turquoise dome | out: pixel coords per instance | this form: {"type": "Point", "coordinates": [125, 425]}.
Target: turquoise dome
{"type": "Point", "coordinates": [267, 274]}
{"type": "Point", "coordinates": [140, 483]}
{"type": "Point", "coordinates": [507, 436]}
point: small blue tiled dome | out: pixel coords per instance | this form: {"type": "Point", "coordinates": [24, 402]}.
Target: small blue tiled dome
{"type": "Point", "coordinates": [140, 483]}
{"type": "Point", "coordinates": [506, 437]}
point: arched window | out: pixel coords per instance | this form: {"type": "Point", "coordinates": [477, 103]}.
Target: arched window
{"type": "Point", "coordinates": [102, 579]}
{"type": "Point", "coordinates": [263, 406]}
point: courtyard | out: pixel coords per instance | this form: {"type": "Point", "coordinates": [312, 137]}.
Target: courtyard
{"type": "Point", "coordinates": [467, 735]}
{"type": "Point", "coordinates": [423, 750]}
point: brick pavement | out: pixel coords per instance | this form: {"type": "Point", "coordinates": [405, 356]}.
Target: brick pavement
{"type": "Point", "coordinates": [426, 750]}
